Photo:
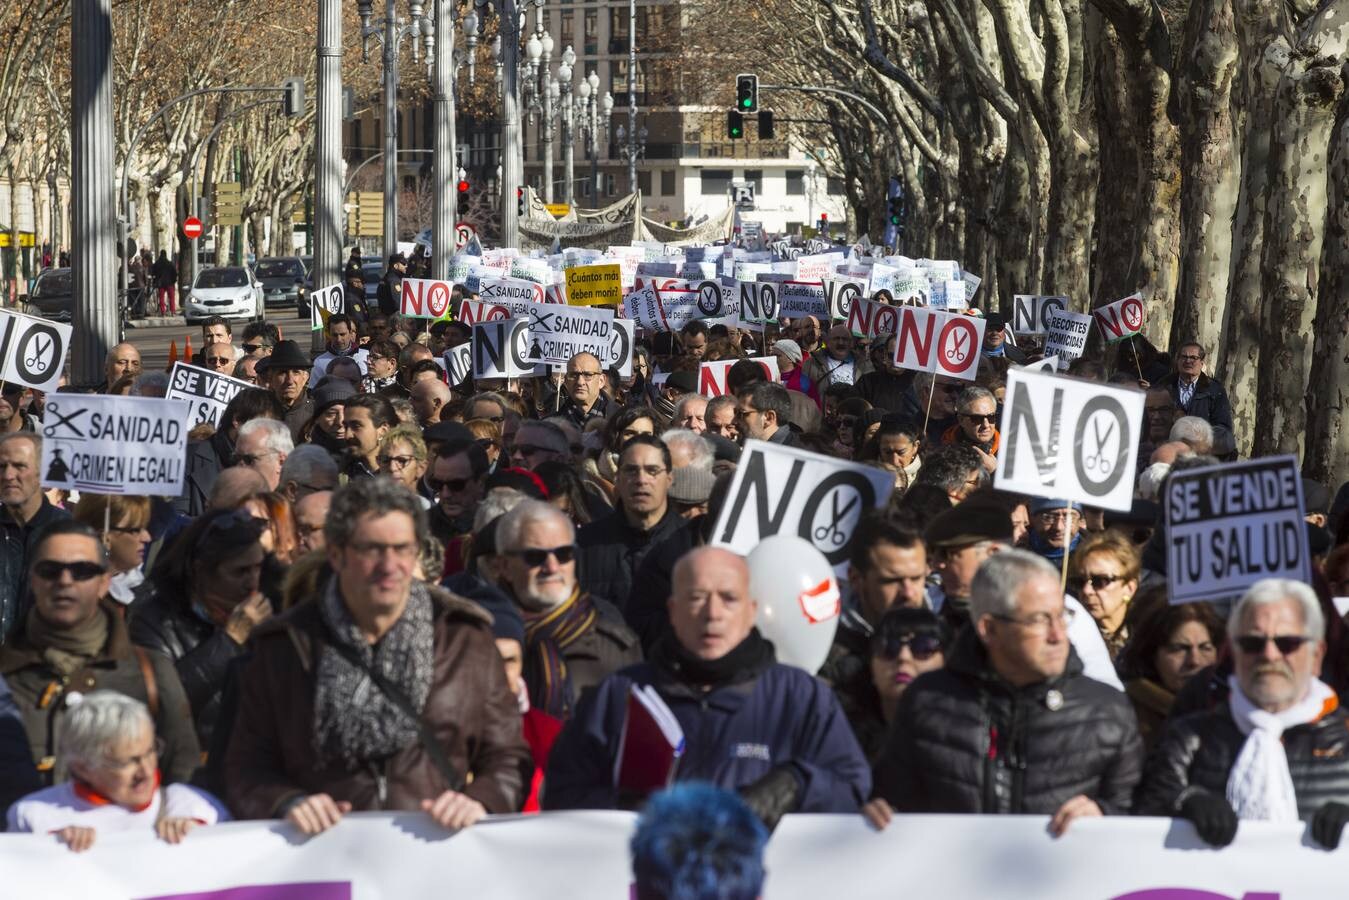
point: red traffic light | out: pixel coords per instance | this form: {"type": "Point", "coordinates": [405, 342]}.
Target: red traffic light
{"type": "Point", "coordinates": [824, 217]}
{"type": "Point", "coordinates": [463, 187]}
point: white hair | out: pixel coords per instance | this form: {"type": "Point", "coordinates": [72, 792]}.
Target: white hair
{"type": "Point", "coordinates": [498, 502]}
{"type": "Point", "coordinates": [1193, 431]}
{"type": "Point", "coordinates": [699, 448]}
{"type": "Point", "coordinates": [150, 384]}
{"type": "Point", "coordinates": [306, 462]}
{"type": "Point", "coordinates": [1278, 590]}
{"type": "Point", "coordinates": [1150, 480]}
{"type": "Point", "coordinates": [100, 720]}
{"type": "Point", "coordinates": [527, 512]}
{"type": "Point", "coordinates": [999, 579]}
{"type": "Point", "coordinates": [276, 435]}
{"type": "Point", "coordinates": [682, 406]}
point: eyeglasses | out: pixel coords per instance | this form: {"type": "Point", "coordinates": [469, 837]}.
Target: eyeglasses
{"type": "Point", "coordinates": [127, 529]}
{"type": "Point", "coordinates": [487, 443]}
{"type": "Point", "coordinates": [396, 462]}
{"type": "Point", "coordinates": [149, 757]}
{"type": "Point", "coordinates": [922, 646]}
{"type": "Point", "coordinates": [1255, 643]}
{"type": "Point", "coordinates": [1042, 621]}
{"type": "Point", "coordinates": [251, 348]}
{"type": "Point", "coordinates": [532, 450]}
{"type": "Point", "coordinates": [1189, 357]}
{"type": "Point", "coordinates": [990, 418]}
{"type": "Point", "coordinates": [453, 485]}
{"type": "Point", "coordinates": [80, 570]}
{"type": "Point", "coordinates": [250, 459]}
{"type": "Point", "coordinates": [534, 557]}
{"type": "Point", "coordinates": [1099, 582]}
{"type": "Point", "coordinates": [638, 471]}
{"type": "Point", "coordinates": [373, 550]}
{"type": "Point", "coordinates": [1055, 516]}
{"type": "Point", "coordinates": [583, 376]}
{"type": "Point", "coordinates": [218, 360]}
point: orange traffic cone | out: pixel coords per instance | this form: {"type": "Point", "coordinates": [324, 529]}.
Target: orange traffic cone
{"type": "Point", "coordinates": [173, 355]}
{"type": "Point", "coordinates": [187, 350]}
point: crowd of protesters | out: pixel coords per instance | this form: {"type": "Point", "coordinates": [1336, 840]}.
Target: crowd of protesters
{"type": "Point", "coordinates": [381, 591]}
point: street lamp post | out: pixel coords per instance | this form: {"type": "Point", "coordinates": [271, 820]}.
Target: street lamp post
{"type": "Point", "coordinates": [512, 167]}
{"type": "Point", "coordinates": [444, 198]}
{"type": "Point", "coordinates": [390, 31]}
{"type": "Point", "coordinates": [327, 224]}
{"type": "Point", "coordinates": [632, 96]}
{"type": "Point", "coordinates": [564, 75]}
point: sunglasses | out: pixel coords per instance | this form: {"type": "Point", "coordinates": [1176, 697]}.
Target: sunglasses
{"type": "Point", "coordinates": [531, 450]}
{"type": "Point", "coordinates": [218, 360]}
{"type": "Point", "coordinates": [252, 348]}
{"type": "Point", "coordinates": [1255, 643]}
{"type": "Point", "coordinates": [51, 569]}
{"type": "Point", "coordinates": [1099, 582]}
{"type": "Point", "coordinates": [534, 557]}
{"type": "Point", "coordinates": [453, 485]}
{"type": "Point", "coordinates": [990, 418]}
{"type": "Point", "coordinates": [922, 646]}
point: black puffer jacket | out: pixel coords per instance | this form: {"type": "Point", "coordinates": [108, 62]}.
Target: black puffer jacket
{"type": "Point", "coordinates": [200, 651]}
{"type": "Point", "coordinates": [1196, 752]}
{"type": "Point", "coordinates": [612, 551]}
{"type": "Point", "coordinates": [964, 741]}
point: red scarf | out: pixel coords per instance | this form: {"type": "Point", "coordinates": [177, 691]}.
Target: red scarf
{"type": "Point", "coordinates": [86, 792]}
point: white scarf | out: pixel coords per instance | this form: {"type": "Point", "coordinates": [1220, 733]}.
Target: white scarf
{"type": "Point", "coordinates": [1260, 785]}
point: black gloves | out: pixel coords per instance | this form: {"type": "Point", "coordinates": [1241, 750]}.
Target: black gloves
{"type": "Point", "coordinates": [1214, 818]}
{"type": "Point", "coordinates": [774, 795]}
{"type": "Point", "coordinates": [1328, 823]}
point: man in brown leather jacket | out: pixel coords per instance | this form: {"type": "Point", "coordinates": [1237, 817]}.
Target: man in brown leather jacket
{"type": "Point", "coordinates": [379, 692]}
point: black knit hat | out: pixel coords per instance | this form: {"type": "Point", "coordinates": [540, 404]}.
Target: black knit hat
{"type": "Point", "coordinates": [969, 523]}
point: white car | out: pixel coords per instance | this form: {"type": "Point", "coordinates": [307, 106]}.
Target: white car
{"type": "Point", "coordinates": [229, 291]}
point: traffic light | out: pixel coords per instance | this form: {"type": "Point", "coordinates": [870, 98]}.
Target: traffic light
{"type": "Point", "coordinates": [765, 124]}
{"type": "Point", "coordinates": [824, 223]}
{"type": "Point", "coordinates": [735, 125]}
{"type": "Point", "coordinates": [463, 198]}
{"type": "Point", "coordinates": [520, 201]}
{"type": "Point", "coordinates": [747, 93]}
{"type": "Point", "coordinates": [292, 98]}
{"type": "Point", "coordinates": [895, 206]}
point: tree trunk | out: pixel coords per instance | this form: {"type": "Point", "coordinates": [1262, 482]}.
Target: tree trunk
{"type": "Point", "coordinates": [1326, 457]}
{"type": "Point", "coordinates": [1306, 102]}
{"type": "Point", "coordinates": [1012, 224]}
{"type": "Point", "coordinates": [1072, 201]}
{"type": "Point", "coordinates": [1211, 180]}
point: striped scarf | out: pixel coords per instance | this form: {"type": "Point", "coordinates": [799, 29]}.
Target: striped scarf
{"type": "Point", "coordinates": [547, 635]}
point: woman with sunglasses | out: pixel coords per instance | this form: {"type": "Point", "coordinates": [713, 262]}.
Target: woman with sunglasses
{"type": "Point", "coordinates": [207, 602]}
{"type": "Point", "coordinates": [848, 415]}
{"type": "Point", "coordinates": [908, 642]}
{"type": "Point", "coordinates": [488, 435]}
{"type": "Point", "coordinates": [1103, 572]}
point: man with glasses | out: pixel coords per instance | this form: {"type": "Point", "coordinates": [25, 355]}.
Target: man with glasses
{"type": "Point", "coordinates": [259, 339]}
{"type": "Point", "coordinates": [285, 372]}
{"type": "Point", "coordinates": [995, 340]}
{"type": "Point", "coordinates": [26, 512]}
{"type": "Point", "coordinates": [583, 383]}
{"type": "Point", "coordinates": [1273, 750]}
{"type": "Point", "coordinates": [836, 363]}
{"type": "Point", "coordinates": [218, 358]}
{"type": "Point", "coordinates": [976, 425]}
{"type": "Point", "coordinates": [538, 442]}
{"type": "Point", "coordinates": [487, 405]}
{"type": "Point", "coordinates": [612, 548]}
{"type": "Point", "coordinates": [455, 479]}
{"type": "Point", "coordinates": [311, 511]}
{"type": "Point", "coordinates": [380, 692]}
{"type": "Point", "coordinates": [762, 412]}
{"type": "Point", "coordinates": [1196, 394]}
{"type": "Point", "coordinates": [74, 641]}
{"type": "Point", "coordinates": [573, 639]}
{"type": "Point", "coordinates": [1012, 725]}
{"type": "Point", "coordinates": [1052, 523]}
{"type": "Point", "coordinates": [263, 446]}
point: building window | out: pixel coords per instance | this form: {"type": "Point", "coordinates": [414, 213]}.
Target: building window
{"type": "Point", "coordinates": [610, 185]}
{"type": "Point", "coordinates": [755, 177]}
{"type": "Point", "coordinates": [618, 82]}
{"type": "Point", "coordinates": [716, 182]}
{"type": "Point", "coordinates": [592, 46]}
{"type": "Point", "coordinates": [667, 182]}
{"type": "Point", "coordinates": [834, 187]}
{"type": "Point", "coordinates": [796, 183]}
{"type": "Point", "coordinates": [644, 183]}
{"type": "Point", "coordinates": [567, 29]}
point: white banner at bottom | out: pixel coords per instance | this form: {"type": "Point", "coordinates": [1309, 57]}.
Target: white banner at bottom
{"type": "Point", "coordinates": [584, 855]}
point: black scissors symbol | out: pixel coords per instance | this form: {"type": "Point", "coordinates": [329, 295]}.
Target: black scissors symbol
{"type": "Point", "coordinates": [67, 421]}
{"type": "Point", "coordinates": [1098, 461]}
{"type": "Point", "coordinates": [832, 532]}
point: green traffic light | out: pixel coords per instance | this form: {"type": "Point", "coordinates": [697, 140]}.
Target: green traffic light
{"type": "Point", "coordinates": [747, 102]}
{"type": "Point", "coordinates": [735, 132]}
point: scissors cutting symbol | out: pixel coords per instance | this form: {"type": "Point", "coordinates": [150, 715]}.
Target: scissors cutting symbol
{"type": "Point", "coordinates": [67, 421]}
{"type": "Point", "coordinates": [832, 532]}
{"type": "Point", "coordinates": [35, 358]}
{"type": "Point", "coordinates": [956, 351]}
{"type": "Point", "coordinates": [1099, 461]}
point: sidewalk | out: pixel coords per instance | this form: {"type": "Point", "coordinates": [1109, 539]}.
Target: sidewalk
{"type": "Point", "coordinates": [159, 322]}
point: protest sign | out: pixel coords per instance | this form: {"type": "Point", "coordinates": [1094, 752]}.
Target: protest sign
{"type": "Point", "coordinates": [594, 285]}
{"type": "Point", "coordinates": [841, 293]}
{"type": "Point", "coordinates": [531, 269]}
{"type": "Point", "coordinates": [796, 300]}
{"type": "Point", "coordinates": [908, 288]}
{"type": "Point", "coordinates": [1069, 440]}
{"type": "Point", "coordinates": [1120, 320]}
{"type": "Point", "coordinates": [557, 333]}
{"type": "Point", "coordinates": [207, 393]}
{"type": "Point", "coordinates": [783, 490]}
{"type": "Point", "coordinates": [622, 346]}
{"type": "Point", "coordinates": [458, 363]}
{"type": "Point", "coordinates": [943, 343]}
{"type": "Point", "coordinates": [869, 319]}
{"type": "Point", "coordinates": [471, 312]}
{"type": "Point", "coordinates": [501, 349]}
{"type": "Point", "coordinates": [814, 268]}
{"type": "Point", "coordinates": [972, 283]}
{"type": "Point", "coordinates": [948, 295]}
{"type": "Point", "coordinates": [683, 301]}
{"type": "Point", "coordinates": [712, 375]}
{"type": "Point", "coordinates": [103, 444]}
{"type": "Point", "coordinates": [643, 307]}
{"type": "Point", "coordinates": [34, 350]}
{"type": "Point", "coordinates": [510, 292]}
{"type": "Point", "coordinates": [1049, 364]}
{"type": "Point", "coordinates": [1031, 312]}
{"type": "Point", "coordinates": [1066, 336]}
{"type": "Point", "coordinates": [758, 304]}
{"type": "Point", "coordinates": [325, 302]}
{"type": "Point", "coordinates": [425, 298]}
{"type": "Point", "coordinates": [1228, 526]}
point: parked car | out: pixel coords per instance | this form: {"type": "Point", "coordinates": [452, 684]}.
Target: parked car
{"type": "Point", "coordinates": [229, 291]}
{"type": "Point", "coordinates": [52, 296]}
{"type": "Point", "coordinates": [372, 272]}
{"type": "Point", "coordinates": [282, 279]}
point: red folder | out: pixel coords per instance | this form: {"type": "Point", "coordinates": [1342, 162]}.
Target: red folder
{"type": "Point", "coordinates": [650, 746]}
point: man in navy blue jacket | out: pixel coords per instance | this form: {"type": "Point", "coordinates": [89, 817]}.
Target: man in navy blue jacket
{"type": "Point", "coordinates": [769, 731]}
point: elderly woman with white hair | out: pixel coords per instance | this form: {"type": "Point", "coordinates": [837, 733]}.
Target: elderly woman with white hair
{"type": "Point", "coordinates": [110, 749]}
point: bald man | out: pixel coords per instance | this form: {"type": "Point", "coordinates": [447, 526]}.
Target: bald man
{"type": "Point", "coordinates": [429, 396]}
{"type": "Point", "coordinates": [124, 359]}
{"type": "Point", "coordinates": [769, 731]}
{"type": "Point", "coordinates": [218, 357]}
